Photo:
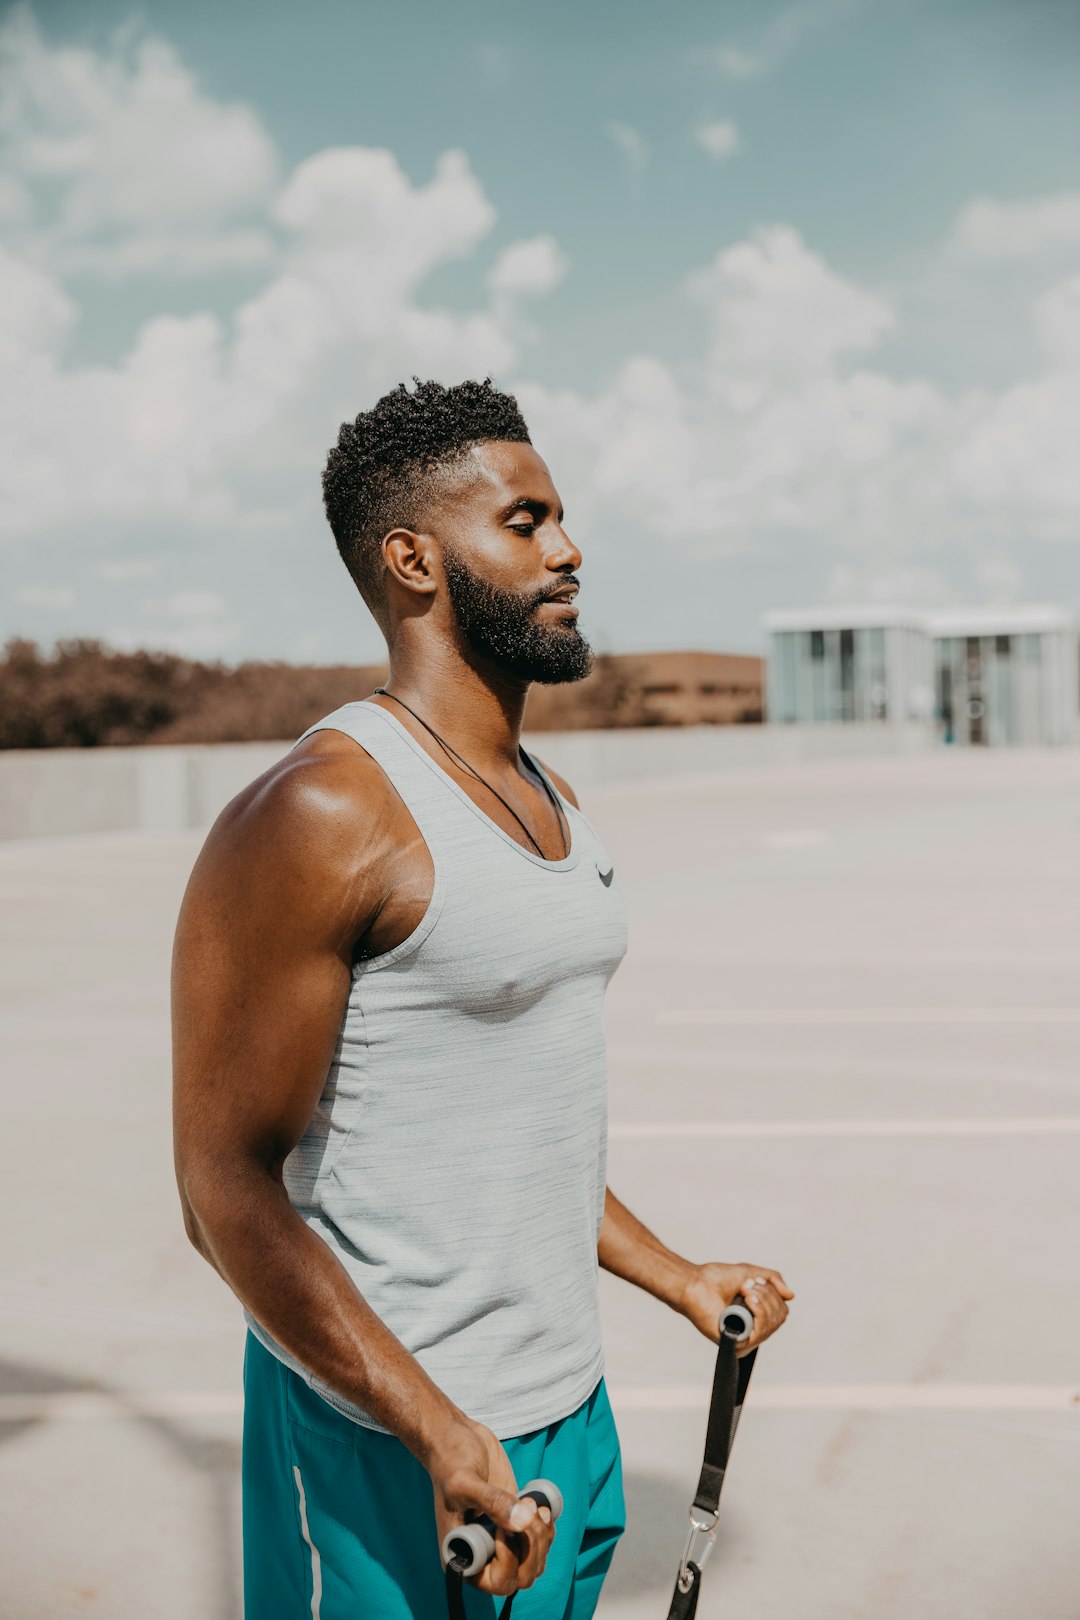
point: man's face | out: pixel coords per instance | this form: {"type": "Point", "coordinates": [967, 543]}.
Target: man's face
{"type": "Point", "coordinates": [504, 554]}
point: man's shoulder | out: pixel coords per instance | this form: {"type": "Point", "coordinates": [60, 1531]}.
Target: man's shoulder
{"type": "Point", "coordinates": [320, 804]}
{"type": "Point", "coordinates": [324, 775]}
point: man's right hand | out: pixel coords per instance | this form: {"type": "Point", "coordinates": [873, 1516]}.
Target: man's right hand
{"type": "Point", "coordinates": [471, 1470]}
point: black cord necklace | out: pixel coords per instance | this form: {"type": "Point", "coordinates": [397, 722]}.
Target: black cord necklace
{"type": "Point", "coordinates": [446, 747]}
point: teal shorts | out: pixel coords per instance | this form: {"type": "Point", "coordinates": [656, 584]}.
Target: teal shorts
{"type": "Point", "coordinates": [339, 1520]}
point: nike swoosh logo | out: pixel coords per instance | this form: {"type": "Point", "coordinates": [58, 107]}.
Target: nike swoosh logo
{"type": "Point", "coordinates": [606, 877]}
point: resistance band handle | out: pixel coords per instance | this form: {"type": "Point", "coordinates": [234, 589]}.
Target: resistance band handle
{"type": "Point", "coordinates": [737, 1321]}
{"type": "Point", "coordinates": [468, 1547]}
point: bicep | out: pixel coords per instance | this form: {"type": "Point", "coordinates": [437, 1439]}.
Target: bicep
{"type": "Point", "coordinates": [260, 981]}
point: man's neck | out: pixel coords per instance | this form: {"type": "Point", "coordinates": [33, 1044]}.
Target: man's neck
{"type": "Point", "coordinates": [480, 721]}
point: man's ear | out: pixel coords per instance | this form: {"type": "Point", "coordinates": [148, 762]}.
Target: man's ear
{"type": "Point", "coordinates": [408, 557]}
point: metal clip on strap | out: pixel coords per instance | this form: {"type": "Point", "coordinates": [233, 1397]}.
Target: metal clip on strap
{"type": "Point", "coordinates": [700, 1541]}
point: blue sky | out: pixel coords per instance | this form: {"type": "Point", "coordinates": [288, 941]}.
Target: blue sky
{"type": "Point", "coordinates": [790, 295]}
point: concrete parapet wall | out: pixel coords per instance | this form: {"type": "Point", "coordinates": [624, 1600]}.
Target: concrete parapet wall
{"type": "Point", "coordinates": [45, 792]}
{"type": "Point", "coordinates": [591, 759]}
{"type": "Point", "coordinates": [62, 791]}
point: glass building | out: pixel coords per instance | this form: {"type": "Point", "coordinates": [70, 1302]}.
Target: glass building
{"type": "Point", "coordinates": [987, 676]}
{"type": "Point", "coordinates": [1006, 675]}
{"type": "Point", "coordinates": [829, 665]}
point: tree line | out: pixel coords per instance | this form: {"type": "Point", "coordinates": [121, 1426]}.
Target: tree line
{"type": "Point", "coordinates": [84, 694]}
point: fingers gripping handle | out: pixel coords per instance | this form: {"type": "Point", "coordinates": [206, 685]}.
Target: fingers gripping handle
{"type": "Point", "coordinates": [468, 1547]}
{"type": "Point", "coordinates": [737, 1321]}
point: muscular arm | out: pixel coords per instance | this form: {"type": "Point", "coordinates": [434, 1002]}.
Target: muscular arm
{"type": "Point", "coordinates": [284, 886]}
{"type": "Point", "coordinates": [631, 1251]}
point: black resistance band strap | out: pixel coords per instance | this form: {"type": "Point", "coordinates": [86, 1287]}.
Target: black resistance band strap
{"type": "Point", "coordinates": [731, 1377]}
{"type": "Point", "coordinates": [455, 1597]}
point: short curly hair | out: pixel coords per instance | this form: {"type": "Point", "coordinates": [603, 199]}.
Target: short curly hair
{"type": "Point", "coordinates": [389, 465]}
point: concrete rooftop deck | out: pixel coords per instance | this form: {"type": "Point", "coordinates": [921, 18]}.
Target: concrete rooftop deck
{"type": "Point", "coordinates": [844, 1042]}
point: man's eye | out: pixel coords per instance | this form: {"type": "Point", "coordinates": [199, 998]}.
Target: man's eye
{"type": "Point", "coordinates": [523, 528]}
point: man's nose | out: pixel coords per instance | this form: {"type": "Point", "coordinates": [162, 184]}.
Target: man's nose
{"type": "Point", "coordinates": [565, 554]}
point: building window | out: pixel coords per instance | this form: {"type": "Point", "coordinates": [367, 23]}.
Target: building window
{"type": "Point", "coordinates": [786, 689]}
{"type": "Point", "coordinates": [817, 643]}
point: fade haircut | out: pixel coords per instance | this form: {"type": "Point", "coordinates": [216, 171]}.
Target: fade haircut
{"type": "Point", "coordinates": [390, 465]}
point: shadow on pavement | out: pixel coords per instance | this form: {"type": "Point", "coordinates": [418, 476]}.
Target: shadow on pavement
{"type": "Point", "coordinates": [647, 1557]}
{"type": "Point", "coordinates": [215, 1461]}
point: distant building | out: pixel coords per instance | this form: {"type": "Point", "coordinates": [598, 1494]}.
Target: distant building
{"type": "Point", "coordinates": [1006, 675]}
{"type": "Point", "coordinates": [829, 665]}
{"type": "Point", "coordinates": [701, 689]}
{"type": "Point", "coordinates": [654, 689]}
{"type": "Point", "coordinates": [985, 676]}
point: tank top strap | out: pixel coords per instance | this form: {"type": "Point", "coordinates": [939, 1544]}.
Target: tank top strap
{"type": "Point", "coordinates": [422, 792]}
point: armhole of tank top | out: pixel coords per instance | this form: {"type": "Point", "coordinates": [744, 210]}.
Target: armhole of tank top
{"type": "Point", "coordinates": [413, 941]}
{"type": "Point", "coordinates": [542, 771]}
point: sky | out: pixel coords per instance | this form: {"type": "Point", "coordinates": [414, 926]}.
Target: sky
{"type": "Point", "coordinates": [789, 295]}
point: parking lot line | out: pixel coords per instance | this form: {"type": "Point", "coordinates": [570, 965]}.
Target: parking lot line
{"type": "Point", "coordinates": [867, 1015]}
{"type": "Point", "coordinates": [82, 1406]}
{"type": "Point", "coordinates": [1032, 1125]}
{"type": "Point", "coordinates": [864, 1397]}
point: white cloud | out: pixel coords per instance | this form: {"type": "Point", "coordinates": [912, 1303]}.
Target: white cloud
{"type": "Point", "coordinates": [148, 173]}
{"type": "Point", "coordinates": [719, 138]}
{"type": "Point", "coordinates": [877, 583]}
{"type": "Point", "coordinates": [774, 305]}
{"type": "Point", "coordinates": [188, 605]}
{"type": "Point", "coordinates": [630, 142]}
{"type": "Point", "coordinates": [772, 431]}
{"type": "Point", "coordinates": [151, 173]}
{"type": "Point", "coordinates": [1018, 453]}
{"type": "Point", "coordinates": [989, 230]}
{"type": "Point", "coordinates": [1000, 578]}
{"type": "Point", "coordinates": [200, 402]}
{"type": "Point", "coordinates": [1021, 455]}
{"type": "Point", "coordinates": [735, 63]}
{"type": "Point", "coordinates": [35, 313]}
{"type": "Point", "coordinates": [786, 428]}
{"type": "Point", "coordinates": [54, 597]}
{"type": "Point", "coordinates": [784, 32]}
{"type": "Point", "coordinates": [16, 206]}
{"type": "Point", "coordinates": [528, 268]}
{"type": "Point", "coordinates": [1057, 320]}
{"type": "Point", "coordinates": [124, 569]}
{"type": "Point", "coordinates": [359, 196]}
{"type": "Point", "coordinates": [193, 623]}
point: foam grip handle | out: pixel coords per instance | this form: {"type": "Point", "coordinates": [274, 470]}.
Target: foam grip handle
{"type": "Point", "coordinates": [737, 1322]}
{"type": "Point", "coordinates": [470, 1546]}
{"type": "Point", "coordinates": [545, 1494]}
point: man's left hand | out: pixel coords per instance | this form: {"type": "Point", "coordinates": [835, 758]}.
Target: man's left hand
{"type": "Point", "coordinates": [712, 1287]}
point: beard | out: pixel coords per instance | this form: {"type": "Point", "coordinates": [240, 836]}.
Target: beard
{"type": "Point", "coordinates": [507, 630]}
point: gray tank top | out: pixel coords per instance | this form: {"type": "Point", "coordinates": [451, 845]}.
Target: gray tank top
{"type": "Point", "coordinates": [456, 1161]}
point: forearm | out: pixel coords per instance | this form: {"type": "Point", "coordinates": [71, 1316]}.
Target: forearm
{"type": "Point", "coordinates": [297, 1289]}
{"type": "Point", "coordinates": [629, 1250]}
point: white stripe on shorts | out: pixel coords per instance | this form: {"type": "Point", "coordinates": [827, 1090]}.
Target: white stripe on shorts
{"type": "Point", "coordinates": [316, 1561]}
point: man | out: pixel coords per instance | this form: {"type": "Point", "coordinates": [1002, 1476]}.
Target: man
{"type": "Point", "coordinates": [390, 1094]}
